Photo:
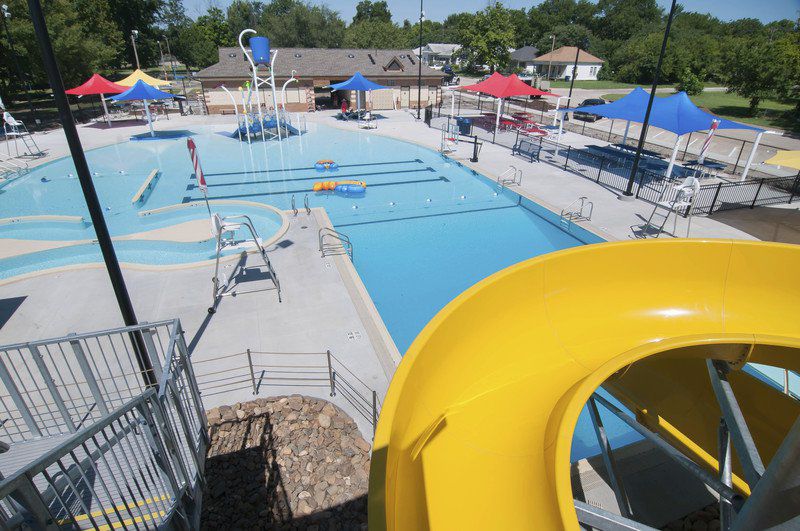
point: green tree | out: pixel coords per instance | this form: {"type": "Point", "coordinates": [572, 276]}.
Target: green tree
{"type": "Point", "coordinates": [689, 83]}
{"type": "Point", "coordinates": [488, 37]}
{"type": "Point", "coordinates": [84, 36]}
{"type": "Point", "coordinates": [244, 14]}
{"type": "Point", "coordinates": [622, 19]}
{"type": "Point", "coordinates": [296, 23]}
{"type": "Point", "coordinates": [543, 18]}
{"type": "Point", "coordinates": [748, 71]}
{"type": "Point", "coordinates": [198, 43]}
{"type": "Point", "coordinates": [567, 35]}
{"type": "Point", "coordinates": [372, 12]}
{"type": "Point", "coordinates": [142, 16]}
{"type": "Point", "coordinates": [374, 34]}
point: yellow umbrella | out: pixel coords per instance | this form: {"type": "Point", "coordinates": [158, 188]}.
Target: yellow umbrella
{"type": "Point", "coordinates": [787, 159]}
{"type": "Point", "coordinates": [138, 75]}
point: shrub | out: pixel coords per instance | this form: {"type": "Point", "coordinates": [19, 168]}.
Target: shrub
{"type": "Point", "coordinates": [689, 83]}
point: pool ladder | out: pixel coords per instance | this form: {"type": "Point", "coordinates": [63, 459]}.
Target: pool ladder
{"type": "Point", "coordinates": [306, 207]}
{"type": "Point", "coordinates": [579, 210]}
{"type": "Point", "coordinates": [511, 176]}
{"type": "Point", "coordinates": [332, 242]}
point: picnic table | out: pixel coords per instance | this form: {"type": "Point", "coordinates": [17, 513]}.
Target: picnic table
{"type": "Point", "coordinates": [707, 168]}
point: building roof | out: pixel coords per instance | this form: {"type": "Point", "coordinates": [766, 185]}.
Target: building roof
{"type": "Point", "coordinates": [322, 63]}
{"type": "Point", "coordinates": [524, 54]}
{"type": "Point", "coordinates": [566, 55]}
{"type": "Point", "coordinates": [440, 48]}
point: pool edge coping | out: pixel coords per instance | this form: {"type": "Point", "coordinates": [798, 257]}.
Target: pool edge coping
{"type": "Point", "coordinates": [385, 348]}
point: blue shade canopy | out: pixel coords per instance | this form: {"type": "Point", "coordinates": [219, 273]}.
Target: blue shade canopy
{"type": "Point", "coordinates": [674, 113]}
{"type": "Point", "coordinates": [142, 91]}
{"type": "Point", "coordinates": [357, 82]}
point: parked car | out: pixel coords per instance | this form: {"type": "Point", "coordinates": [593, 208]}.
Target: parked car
{"type": "Point", "coordinates": [587, 116]}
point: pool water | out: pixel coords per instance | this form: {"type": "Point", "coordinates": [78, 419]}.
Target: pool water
{"type": "Point", "coordinates": [426, 229]}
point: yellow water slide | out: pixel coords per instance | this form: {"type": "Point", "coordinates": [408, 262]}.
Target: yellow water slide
{"type": "Point", "coordinates": [476, 429]}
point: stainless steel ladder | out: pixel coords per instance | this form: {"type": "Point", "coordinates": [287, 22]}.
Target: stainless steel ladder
{"type": "Point", "coordinates": [332, 242]}
{"type": "Point", "coordinates": [580, 209]}
{"type": "Point", "coordinates": [511, 176]}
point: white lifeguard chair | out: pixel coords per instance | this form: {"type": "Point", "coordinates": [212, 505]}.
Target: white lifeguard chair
{"type": "Point", "coordinates": [674, 201]}
{"type": "Point", "coordinates": [223, 230]}
{"type": "Point", "coordinates": [16, 130]}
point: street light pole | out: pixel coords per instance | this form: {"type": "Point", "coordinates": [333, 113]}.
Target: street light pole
{"type": "Point", "coordinates": [4, 15]}
{"type": "Point", "coordinates": [171, 63]}
{"type": "Point", "coordinates": [89, 192]}
{"type": "Point", "coordinates": [134, 35]}
{"type": "Point", "coordinates": [635, 166]}
{"type": "Point", "coordinates": [419, 66]}
{"type": "Point", "coordinates": [575, 69]}
{"type": "Point", "coordinates": [161, 55]}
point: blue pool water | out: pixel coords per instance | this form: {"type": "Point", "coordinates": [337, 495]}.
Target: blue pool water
{"type": "Point", "coordinates": [426, 229]}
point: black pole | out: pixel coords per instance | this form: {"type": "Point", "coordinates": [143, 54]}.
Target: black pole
{"type": "Point", "coordinates": [419, 66]}
{"type": "Point", "coordinates": [574, 75]}
{"type": "Point", "coordinates": [646, 123]}
{"type": "Point", "coordinates": [89, 192]}
{"type": "Point", "coordinates": [22, 76]}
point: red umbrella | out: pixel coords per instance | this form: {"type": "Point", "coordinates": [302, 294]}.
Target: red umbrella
{"type": "Point", "coordinates": [98, 85]}
{"type": "Point", "coordinates": [501, 87]}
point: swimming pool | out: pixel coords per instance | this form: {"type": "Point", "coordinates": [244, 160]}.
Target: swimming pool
{"type": "Point", "coordinates": [426, 229]}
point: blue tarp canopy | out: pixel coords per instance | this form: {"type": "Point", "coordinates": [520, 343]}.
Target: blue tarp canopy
{"type": "Point", "coordinates": [142, 91]}
{"type": "Point", "coordinates": [674, 113]}
{"type": "Point", "coordinates": [357, 82]}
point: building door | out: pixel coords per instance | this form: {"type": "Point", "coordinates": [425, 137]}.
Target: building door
{"type": "Point", "coordinates": [405, 94]}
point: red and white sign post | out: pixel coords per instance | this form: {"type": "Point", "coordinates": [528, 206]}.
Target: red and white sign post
{"type": "Point", "coordinates": [198, 171]}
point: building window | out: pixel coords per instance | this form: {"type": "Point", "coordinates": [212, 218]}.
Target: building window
{"type": "Point", "coordinates": [391, 83]}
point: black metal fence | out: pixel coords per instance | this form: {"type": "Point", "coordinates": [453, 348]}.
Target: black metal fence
{"type": "Point", "coordinates": [652, 186]}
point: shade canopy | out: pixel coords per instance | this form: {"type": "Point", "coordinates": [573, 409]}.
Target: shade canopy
{"type": "Point", "coordinates": [674, 113]}
{"type": "Point", "coordinates": [357, 82]}
{"type": "Point", "coordinates": [142, 91]}
{"type": "Point", "coordinates": [97, 84]}
{"type": "Point", "coordinates": [138, 75]}
{"type": "Point", "coordinates": [499, 86]}
{"type": "Point", "coordinates": [787, 159]}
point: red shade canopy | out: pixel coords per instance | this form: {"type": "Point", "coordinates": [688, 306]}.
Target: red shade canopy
{"type": "Point", "coordinates": [97, 84]}
{"type": "Point", "coordinates": [500, 86]}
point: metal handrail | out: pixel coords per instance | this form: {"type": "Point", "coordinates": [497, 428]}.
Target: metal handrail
{"type": "Point", "coordinates": [323, 369]}
{"type": "Point", "coordinates": [569, 214]}
{"type": "Point", "coordinates": [306, 206]}
{"type": "Point", "coordinates": [512, 175]}
{"type": "Point", "coordinates": [344, 243]}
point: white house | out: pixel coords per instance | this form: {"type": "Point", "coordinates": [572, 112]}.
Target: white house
{"type": "Point", "coordinates": [560, 64]}
{"type": "Point", "coordinates": [437, 53]}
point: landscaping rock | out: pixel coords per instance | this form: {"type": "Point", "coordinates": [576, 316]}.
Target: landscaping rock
{"type": "Point", "coordinates": [285, 463]}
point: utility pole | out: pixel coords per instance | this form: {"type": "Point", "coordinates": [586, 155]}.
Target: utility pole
{"type": "Point", "coordinates": [635, 166]}
{"type": "Point", "coordinates": [4, 15]}
{"type": "Point", "coordinates": [134, 36]}
{"type": "Point", "coordinates": [171, 63]}
{"type": "Point", "coordinates": [89, 192]}
{"type": "Point", "coordinates": [552, 49]}
{"type": "Point", "coordinates": [585, 44]}
{"type": "Point", "coordinates": [419, 66]}
{"type": "Point", "coordinates": [163, 66]}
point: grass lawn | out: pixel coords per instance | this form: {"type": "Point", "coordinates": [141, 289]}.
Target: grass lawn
{"type": "Point", "coordinates": [770, 113]}
{"type": "Point", "coordinates": [599, 85]}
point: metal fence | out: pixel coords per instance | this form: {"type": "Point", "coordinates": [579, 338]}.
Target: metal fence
{"type": "Point", "coordinates": [614, 171]}
{"type": "Point", "coordinates": [258, 370]}
{"type": "Point", "coordinates": [95, 439]}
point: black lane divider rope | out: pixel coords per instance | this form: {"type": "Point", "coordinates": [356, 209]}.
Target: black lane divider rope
{"type": "Point", "coordinates": [321, 177]}
{"type": "Point", "coordinates": [418, 161]}
{"type": "Point", "coordinates": [421, 216]}
{"type": "Point", "coordinates": [188, 199]}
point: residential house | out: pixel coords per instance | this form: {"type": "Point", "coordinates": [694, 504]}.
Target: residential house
{"type": "Point", "coordinates": [437, 53]}
{"type": "Point", "coordinates": [561, 62]}
{"type": "Point", "coordinates": [524, 57]}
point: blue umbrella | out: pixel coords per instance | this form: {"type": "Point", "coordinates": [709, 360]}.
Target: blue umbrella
{"type": "Point", "coordinates": [143, 91]}
{"type": "Point", "coordinates": [357, 82]}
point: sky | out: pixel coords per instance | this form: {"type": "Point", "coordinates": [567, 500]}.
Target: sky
{"type": "Point", "coordinates": [765, 10]}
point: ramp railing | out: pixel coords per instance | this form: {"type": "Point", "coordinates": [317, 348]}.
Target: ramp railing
{"type": "Point", "coordinates": [258, 370]}
{"type": "Point", "coordinates": [72, 389]}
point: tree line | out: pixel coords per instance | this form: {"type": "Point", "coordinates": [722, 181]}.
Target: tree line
{"type": "Point", "coordinates": [756, 60]}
